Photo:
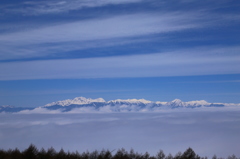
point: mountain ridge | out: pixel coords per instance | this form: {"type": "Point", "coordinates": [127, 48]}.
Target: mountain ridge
{"type": "Point", "coordinates": [119, 105]}
{"type": "Point", "coordinates": [175, 102]}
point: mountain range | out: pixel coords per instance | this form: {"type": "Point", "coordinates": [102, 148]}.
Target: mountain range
{"type": "Point", "coordinates": [83, 104]}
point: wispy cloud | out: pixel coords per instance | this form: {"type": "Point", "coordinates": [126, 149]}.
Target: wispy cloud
{"type": "Point", "coordinates": [31, 39]}
{"type": "Point", "coordinates": [179, 63]}
{"type": "Point", "coordinates": [56, 6]}
{"type": "Point", "coordinates": [82, 34]}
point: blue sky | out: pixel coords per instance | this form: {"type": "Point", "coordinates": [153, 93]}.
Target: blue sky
{"type": "Point", "coordinates": [152, 49]}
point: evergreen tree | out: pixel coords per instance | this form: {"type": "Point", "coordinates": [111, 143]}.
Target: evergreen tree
{"type": "Point", "coordinates": [121, 154]}
{"type": "Point", "coordinates": [214, 156]}
{"type": "Point", "coordinates": [160, 155]}
{"type": "Point", "coordinates": [146, 156]}
{"type": "Point", "coordinates": [169, 156]}
{"type": "Point", "coordinates": [42, 154]}
{"type": "Point", "coordinates": [31, 152]}
{"type": "Point", "coordinates": [105, 155]}
{"type": "Point", "coordinates": [232, 157]}
{"type": "Point", "coordinates": [85, 155]}
{"type": "Point", "coordinates": [2, 154]}
{"type": "Point", "coordinates": [189, 154]}
{"type": "Point", "coordinates": [16, 154]}
{"type": "Point", "coordinates": [51, 153]}
{"type": "Point", "coordinates": [178, 155]}
{"type": "Point", "coordinates": [61, 154]}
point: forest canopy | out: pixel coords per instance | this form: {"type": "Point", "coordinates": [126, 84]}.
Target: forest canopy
{"type": "Point", "coordinates": [33, 153]}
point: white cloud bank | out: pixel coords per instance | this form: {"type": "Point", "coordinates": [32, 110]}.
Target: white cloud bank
{"type": "Point", "coordinates": [198, 61]}
{"type": "Point", "coordinates": [208, 133]}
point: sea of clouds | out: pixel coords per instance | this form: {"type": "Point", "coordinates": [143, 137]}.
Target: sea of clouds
{"type": "Point", "coordinates": [207, 132]}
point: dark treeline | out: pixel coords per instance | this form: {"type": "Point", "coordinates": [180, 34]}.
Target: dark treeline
{"type": "Point", "coordinates": [33, 153]}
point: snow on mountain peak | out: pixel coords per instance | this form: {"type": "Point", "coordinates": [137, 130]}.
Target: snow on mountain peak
{"type": "Point", "coordinates": [176, 101]}
{"type": "Point", "coordinates": [6, 106]}
{"type": "Point", "coordinates": [77, 100]}
{"type": "Point", "coordinates": [130, 101]}
{"type": "Point", "coordinates": [198, 103]}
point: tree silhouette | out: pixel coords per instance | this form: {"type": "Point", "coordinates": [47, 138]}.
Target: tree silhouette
{"type": "Point", "coordinates": [42, 154]}
{"type": "Point", "coordinates": [189, 154]}
{"type": "Point", "coordinates": [51, 153]}
{"type": "Point", "coordinates": [169, 156]}
{"type": "Point", "coordinates": [31, 152]}
{"type": "Point", "coordinates": [160, 154]}
{"type": "Point", "coordinates": [214, 156]}
{"type": "Point", "coordinates": [121, 154]}
{"type": "Point", "coordinates": [178, 155]}
{"type": "Point", "coordinates": [61, 154]}
{"type": "Point", "coordinates": [232, 157]}
{"type": "Point", "coordinates": [16, 154]}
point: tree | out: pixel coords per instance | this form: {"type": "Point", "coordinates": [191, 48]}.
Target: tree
{"type": "Point", "coordinates": [42, 154]}
{"type": "Point", "coordinates": [31, 152]}
{"type": "Point", "coordinates": [232, 157]}
{"type": "Point", "coordinates": [61, 154]}
{"type": "Point", "coordinates": [121, 154]}
{"type": "Point", "coordinates": [93, 155]}
{"type": "Point", "coordinates": [85, 155]}
{"type": "Point", "coordinates": [214, 156]}
{"type": "Point", "coordinates": [189, 154]}
{"type": "Point", "coordinates": [160, 154]}
{"type": "Point", "coordinates": [16, 154]}
{"type": "Point", "coordinates": [105, 155]}
{"type": "Point", "coordinates": [2, 153]}
{"type": "Point", "coordinates": [146, 155]}
{"type": "Point", "coordinates": [178, 155]}
{"type": "Point", "coordinates": [169, 156]}
{"type": "Point", "coordinates": [51, 152]}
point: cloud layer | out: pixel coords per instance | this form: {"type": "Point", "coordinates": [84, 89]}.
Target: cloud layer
{"type": "Point", "coordinates": [208, 133]}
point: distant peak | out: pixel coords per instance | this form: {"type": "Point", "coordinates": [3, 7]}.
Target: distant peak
{"type": "Point", "coordinates": [176, 101]}
{"type": "Point", "coordinates": [6, 106]}
{"type": "Point", "coordinates": [77, 100]}
{"type": "Point", "coordinates": [130, 101]}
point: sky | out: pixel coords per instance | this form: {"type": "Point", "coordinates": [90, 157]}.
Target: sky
{"type": "Point", "coordinates": [158, 50]}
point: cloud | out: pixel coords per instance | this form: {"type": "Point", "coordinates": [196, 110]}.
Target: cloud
{"type": "Point", "coordinates": [89, 33]}
{"type": "Point", "coordinates": [197, 61]}
{"type": "Point", "coordinates": [171, 132]}
{"type": "Point", "coordinates": [40, 110]}
{"type": "Point", "coordinates": [29, 8]}
{"type": "Point", "coordinates": [49, 39]}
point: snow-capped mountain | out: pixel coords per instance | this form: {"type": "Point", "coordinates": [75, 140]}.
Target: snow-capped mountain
{"type": "Point", "coordinates": [76, 101]}
{"type": "Point", "coordinates": [130, 101]}
{"type": "Point", "coordinates": [9, 108]}
{"type": "Point", "coordinates": [82, 101]}
{"type": "Point", "coordinates": [179, 103]}
{"type": "Point", "coordinates": [129, 105]}
{"type": "Point", "coordinates": [83, 104]}
{"type": "Point", "coordinates": [6, 106]}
